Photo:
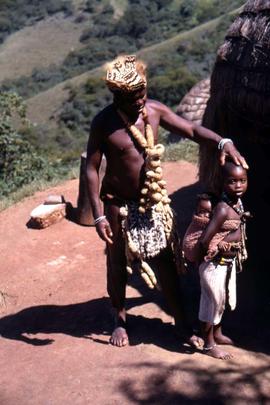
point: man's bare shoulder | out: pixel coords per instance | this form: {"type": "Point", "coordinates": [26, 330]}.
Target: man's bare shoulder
{"type": "Point", "coordinates": [101, 119]}
{"type": "Point", "coordinates": [155, 105]}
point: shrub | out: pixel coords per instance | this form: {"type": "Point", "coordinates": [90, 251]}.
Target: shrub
{"type": "Point", "coordinates": [19, 162]}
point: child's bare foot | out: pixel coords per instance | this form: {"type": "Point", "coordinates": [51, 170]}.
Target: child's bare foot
{"type": "Point", "coordinates": [119, 337]}
{"type": "Point", "coordinates": [217, 353]}
{"type": "Point", "coordinates": [223, 340]}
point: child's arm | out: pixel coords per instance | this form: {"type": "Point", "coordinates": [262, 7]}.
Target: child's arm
{"type": "Point", "coordinates": [220, 214]}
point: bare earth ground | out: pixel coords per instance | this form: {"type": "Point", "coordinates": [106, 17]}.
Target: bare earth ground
{"type": "Point", "coordinates": [56, 323]}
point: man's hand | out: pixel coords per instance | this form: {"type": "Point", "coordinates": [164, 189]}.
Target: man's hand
{"type": "Point", "coordinates": [104, 231]}
{"type": "Point", "coordinates": [230, 150]}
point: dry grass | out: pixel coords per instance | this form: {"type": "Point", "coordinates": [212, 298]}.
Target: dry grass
{"type": "Point", "coordinates": [47, 42]}
{"type": "Point", "coordinates": [119, 7]}
{"type": "Point", "coordinates": [78, 4]}
{"type": "Point", "coordinates": [45, 104]}
{"type": "Point", "coordinates": [36, 185]}
{"type": "Point", "coordinates": [183, 150]}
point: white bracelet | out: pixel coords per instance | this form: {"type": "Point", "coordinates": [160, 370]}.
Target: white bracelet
{"type": "Point", "coordinates": [99, 219]}
{"type": "Point", "coordinates": [223, 142]}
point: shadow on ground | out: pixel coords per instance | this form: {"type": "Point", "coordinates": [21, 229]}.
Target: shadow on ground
{"type": "Point", "coordinates": [89, 320]}
{"type": "Point", "coordinates": [186, 383]}
{"type": "Point", "coordinates": [248, 325]}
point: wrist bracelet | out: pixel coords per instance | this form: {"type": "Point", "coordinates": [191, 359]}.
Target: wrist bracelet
{"type": "Point", "coordinates": [223, 142]}
{"type": "Point", "coordinates": [99, 219]}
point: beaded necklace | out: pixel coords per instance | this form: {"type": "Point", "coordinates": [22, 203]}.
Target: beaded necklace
{"type": "Point", "coordinates": [153, 193]}
{"type": "Point", "coordinates": [154, 200]}
{"type": "Point", "coordinates": [239, 209]}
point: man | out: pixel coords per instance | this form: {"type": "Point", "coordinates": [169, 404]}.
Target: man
{"type": "Point", "coordinates": [125, 132]}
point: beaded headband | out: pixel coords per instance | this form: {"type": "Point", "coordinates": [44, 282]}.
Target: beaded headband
{"type": "Point", "coordinates": [126, 74]}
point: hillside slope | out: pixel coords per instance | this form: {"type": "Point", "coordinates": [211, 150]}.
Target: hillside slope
{"type": "Point", "coordinates": [47, 42]}
{"type": "Point", "coordinates": [45, 105]}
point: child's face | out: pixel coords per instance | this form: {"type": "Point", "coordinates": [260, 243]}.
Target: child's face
{"type": "Point", "coordinates": [204, 208]}
{"type": "Point", "coordinates": [235, 181]}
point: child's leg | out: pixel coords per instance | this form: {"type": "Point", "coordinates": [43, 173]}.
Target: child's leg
{"type": "Point", "coordinates": [208, 335]}
{"type": "Point", "coordinates": [231, 291]}
{"type": "Point", "coordinates": [210, 344]}
{"type": "Point", "coordinates": [219, 337]}
{"type": "Point", "coordinates": [212, 303]}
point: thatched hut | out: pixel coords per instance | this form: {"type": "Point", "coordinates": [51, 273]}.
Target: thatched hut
{"type": "Point", "coordinates": [239, 104]}
{"type": "Point", "coordinates": [193, 104]}
{"type": "Point", "coordinates": [239, 108]}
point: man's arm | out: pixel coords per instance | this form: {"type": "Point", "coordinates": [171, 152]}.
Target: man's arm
{"type": "Point", "coordinates": [178, 125]}
{"type": "Point", "coordinates": [93, 161]}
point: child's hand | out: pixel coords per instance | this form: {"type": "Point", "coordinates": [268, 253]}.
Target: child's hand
{"type": "Point", "coordinates": [224, 246]}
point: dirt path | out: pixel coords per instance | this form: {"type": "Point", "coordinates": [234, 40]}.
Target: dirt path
{"type": "Point", "coordinates": [55, 327]}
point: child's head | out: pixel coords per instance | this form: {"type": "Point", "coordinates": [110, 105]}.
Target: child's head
{"type": "Point", "coordinates": [234, 179]}
{"type": "Point", "coordinates": [204, 205]}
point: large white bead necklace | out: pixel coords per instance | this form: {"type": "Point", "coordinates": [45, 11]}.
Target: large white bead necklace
{"type": "Point", "coordinates": [153, 193]}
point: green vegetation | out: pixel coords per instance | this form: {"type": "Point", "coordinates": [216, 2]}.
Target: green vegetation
{"type": "Point", "coordinates": [16, 14]}
{"type": "Point", "coordinates": [172, 72]}
{"type": "Point", "coordinates": [177, 38]}
{"type": "Point", "coordinates": [144, 23]}
{"type": "Point", "coordinates": [20, 162]}
{"type": "Point", "coordinates": [184, 150]}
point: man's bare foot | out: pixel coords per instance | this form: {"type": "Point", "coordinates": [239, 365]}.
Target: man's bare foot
{"type": "Point", "coordinates": [223, 340]}
{"type": "Point", "coordinates": [186, 335]}
{"type": "Point", "coordinates": [119, 337]}
{"type": "Point", "coordinates": [195, 341]}
{"type": "Point", "coordinates": [217, 353]}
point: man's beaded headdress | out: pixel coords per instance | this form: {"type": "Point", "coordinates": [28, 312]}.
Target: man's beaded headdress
{"type": "Point", "coordinates": [126, 74]}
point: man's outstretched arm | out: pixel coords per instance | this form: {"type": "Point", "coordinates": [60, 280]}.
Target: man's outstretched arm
{"type": "Point", "coordinates": [178, 125]}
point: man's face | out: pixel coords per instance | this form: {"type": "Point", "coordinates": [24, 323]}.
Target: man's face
{"type": "Point", "coordinates": [132, 103]}
{"type": "Point", "coordinates": [235, 181]}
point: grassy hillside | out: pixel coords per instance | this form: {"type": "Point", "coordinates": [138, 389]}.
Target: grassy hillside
{"type": "Point", "coordinates": [125, 28]}
{"type": "Point", "coordinates": [42, 44]}
{"type": "Point", "coordinates": [56, 61]}
{"type": "Point", "coordinates": [65, 111]}
{"type": "Point", "coordinates": [17, 14]}
{"type": "Point", "coordinates": [156, 57]}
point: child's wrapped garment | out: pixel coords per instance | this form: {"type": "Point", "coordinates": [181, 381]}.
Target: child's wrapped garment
{"type": "Point", "coordinates": [194, 232]}
{"type": "Point", "coordinates": [218, 286]}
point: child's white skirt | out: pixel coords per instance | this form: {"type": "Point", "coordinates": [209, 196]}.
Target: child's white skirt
{"type": "Point", "coordinates": [218, 284]}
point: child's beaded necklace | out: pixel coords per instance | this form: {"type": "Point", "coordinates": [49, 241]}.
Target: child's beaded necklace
{"type": "Point", "coordinates": [239, 209]}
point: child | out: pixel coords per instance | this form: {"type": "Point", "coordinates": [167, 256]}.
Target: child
{"type": "Point", "coordinates": [200, 220]}
{"type": "Point", "coordinates": [222, 248]}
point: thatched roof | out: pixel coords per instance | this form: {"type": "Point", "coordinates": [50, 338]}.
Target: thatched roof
{"type": "Point", "coordinates": [192, 105]}
{"type": "Point", "coordinates": [242, 71]}
{"type": "Point", "coordinates": [257, 5]}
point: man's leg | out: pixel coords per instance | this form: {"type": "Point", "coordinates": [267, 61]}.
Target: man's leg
{"type": "Point", "coordinates": [170, 285]}
{"type": "Point", "coordinates": [117, 275]}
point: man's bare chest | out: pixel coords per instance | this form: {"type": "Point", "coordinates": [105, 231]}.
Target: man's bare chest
{"type": "Point", "coordinates": [122, 141]}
